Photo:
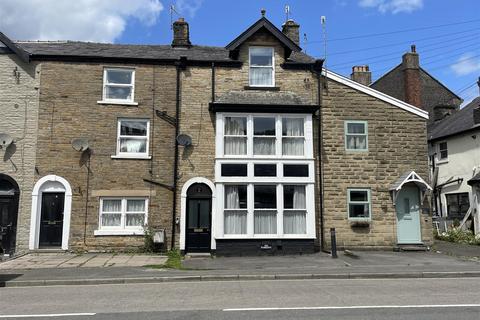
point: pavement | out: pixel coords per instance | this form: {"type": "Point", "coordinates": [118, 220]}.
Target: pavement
{"type": "Point", "coordinates": [87, 260]}
{"type": "Point", "coordinates": [99, 268]}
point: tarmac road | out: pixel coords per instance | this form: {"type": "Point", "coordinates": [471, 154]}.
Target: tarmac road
{"type": "Point", "coordinates": [386, 299]}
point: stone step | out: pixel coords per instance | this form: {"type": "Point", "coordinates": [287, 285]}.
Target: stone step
{"type": "Point", "coordinates": [412, 247]}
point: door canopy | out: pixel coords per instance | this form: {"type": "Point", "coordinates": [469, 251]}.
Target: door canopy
{"type": "Point", "coordinates": [408, 177]}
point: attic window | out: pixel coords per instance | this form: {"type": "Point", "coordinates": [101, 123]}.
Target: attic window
{"type": "Point", "coordinates": [262, 69]}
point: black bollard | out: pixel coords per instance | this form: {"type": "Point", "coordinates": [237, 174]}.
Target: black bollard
{"type": "Point", "coordinates": [334, 243]}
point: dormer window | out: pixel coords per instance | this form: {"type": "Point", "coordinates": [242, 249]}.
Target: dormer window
{"type": "Point", "coordinates": [262, 71]}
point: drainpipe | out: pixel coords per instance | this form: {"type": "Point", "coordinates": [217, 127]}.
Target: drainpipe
{"type": "Point", "coordinates": [180, 65]}
{"type": "Point", "coordinates": [317, 68]}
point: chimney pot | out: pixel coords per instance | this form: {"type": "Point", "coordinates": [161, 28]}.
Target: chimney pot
{"type": "Point", "coordinates": [181, 34]}
{"type": "Point", "coordinates": [362, 75]}
{"type": "Point", "coordinates": [413, 48]}
{"type": "Point", "coordinates": [292, 30]}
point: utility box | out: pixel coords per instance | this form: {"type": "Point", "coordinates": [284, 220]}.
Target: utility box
{"type": "Point", "coordinates": [159, 236]}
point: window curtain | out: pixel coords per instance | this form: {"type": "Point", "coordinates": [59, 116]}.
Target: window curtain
{"type": "Point", "coordinates": [295, 221]}
{"type": "Point", "coordinates": [299, 199]}
{"type": "Point", "coordinates": [135, 205]}
{"type": "Point", "coordinates": [356, 142]}
{"type": "Point", "coordinates": [133, 145]}
{"type": "Point", "coordinates": [265, 222]}
{"type": "Point", "coordinates": [135, 220]}
{"type": "Point", "coordinates": [264, 146]}
{"type": "Point", "coordinates": [235, 221]}
{"type": "Point", "coordinates": [235, 126]}
{"type": "Point", "coordinates": [261, 76]}
{"type": "Point", "coordinates": [293, 127]}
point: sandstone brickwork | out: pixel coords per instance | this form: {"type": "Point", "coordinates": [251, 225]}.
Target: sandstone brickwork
{"type": "Point", "coordinates": [18, 118]}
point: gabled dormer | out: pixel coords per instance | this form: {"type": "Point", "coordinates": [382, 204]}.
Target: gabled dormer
{"type": "Point", "coordinates": [264, 27]}
{"type": "Point", "coordinates": [264, 48]}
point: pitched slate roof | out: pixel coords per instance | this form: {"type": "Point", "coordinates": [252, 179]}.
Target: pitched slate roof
{"type": "Point", "coordinates": [422, 70]}
{"type": "Point", "coordinates": [458, 122]}
{"type": "Point", "coordinates": [475, 180]}
{"type": "Point", "coordinates": [128, 51]}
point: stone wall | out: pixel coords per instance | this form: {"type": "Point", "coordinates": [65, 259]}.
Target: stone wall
{"type": "Point", "coordinates": [396, 144]}
{"type": "Point", "coordinates": [69, 110]}
{"type": "Point", "coordinates": [19, 111]}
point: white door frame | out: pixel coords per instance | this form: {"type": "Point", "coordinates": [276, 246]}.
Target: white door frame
{"type": "Point", "coordinates": [50, 183]}
{"type": "Point", "coordinates": [183, 210]}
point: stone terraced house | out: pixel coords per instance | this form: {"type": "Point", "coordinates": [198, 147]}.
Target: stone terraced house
{"type": "Point", "coordinates": [251, 148]}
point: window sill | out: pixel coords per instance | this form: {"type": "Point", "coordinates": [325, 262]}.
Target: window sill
{"type": "Point", "coordinates": [442, 161]}
{"type": "Point", "coordinates": [133, 157]}
{"type": "Point", "coordinates": [118, 233]}
{"type": "Point", "coordinates": [125, 103]}
{"type": "Point", "coordinates": [262, 88]}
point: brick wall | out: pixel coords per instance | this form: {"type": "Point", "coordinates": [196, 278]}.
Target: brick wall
{"type": "Point", "coordinates": [69, 110]}
{"type": "Point", "coordinates": [19, 110]}
{"type": "Point", "coordinates": [396, 144]}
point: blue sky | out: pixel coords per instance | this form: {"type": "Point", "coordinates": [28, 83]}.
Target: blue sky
{"type": "Point", "coordinates": [446, 32]}
{"type": "Point", "coordinates": [218, 22]}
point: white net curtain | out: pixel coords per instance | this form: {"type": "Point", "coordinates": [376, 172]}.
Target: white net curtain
{"type": "Point", "coordinates": [294, 215]}
{"type": "Point", "coordinates": [235, 217]}
{"type": "Point", "coordinates": [235, 135]}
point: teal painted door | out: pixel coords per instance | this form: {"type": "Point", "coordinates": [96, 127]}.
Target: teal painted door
{"type": "Point", "coordinates": [408, 215]}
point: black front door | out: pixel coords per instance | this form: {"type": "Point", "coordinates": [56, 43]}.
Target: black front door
{"type": "Point", "coordinates": [8, 223]}
{"type": "Point", "coordinates": [51, 221]}
{"type": "Point", "coordinates": [198, 233]}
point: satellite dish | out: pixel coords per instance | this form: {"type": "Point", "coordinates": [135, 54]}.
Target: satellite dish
{"type": "Point", "coordinates": [80, 144]}
{"type": "Point", "coordinates": [5, 140]}
{"type": "Point", "coordinates": [184, 140]}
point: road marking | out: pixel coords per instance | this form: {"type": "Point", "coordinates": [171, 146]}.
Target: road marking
{"type": "Point", "coordinates": [46, 315]}
{"type": "Point", "coordinates": [357, 307]}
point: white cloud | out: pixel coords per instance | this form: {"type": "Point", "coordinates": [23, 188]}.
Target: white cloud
{"type": "Point", "coordinates": [188, 7]}
{"type": "Point", "coordinates": [87, 20]}
{"type": "Point", "coordinates": [393, 6]}
{"type": "Point", "coordinates": [466, 64]}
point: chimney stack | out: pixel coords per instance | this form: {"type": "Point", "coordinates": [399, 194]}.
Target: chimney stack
{"type": "Point", "coordinates": [181, 34]}
{"type": "Point", "coordinates": [362, 75]}
{"type": "Point", "coordinates": [411, 76]}
{"type": "Point", "coordinates": [292, 30]}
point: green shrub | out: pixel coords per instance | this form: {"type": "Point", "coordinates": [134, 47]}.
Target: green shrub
{"type": "Point", "coordinates": [148, 244]}
{"type": "Point", "coordinates": [458, 235]}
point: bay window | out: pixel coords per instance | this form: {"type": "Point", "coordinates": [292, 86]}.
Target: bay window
{"type": "Point", "coordinates": [266, 136]}
{"type": "Point", "coordinates": [264, 172]}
